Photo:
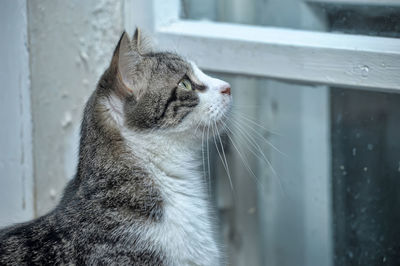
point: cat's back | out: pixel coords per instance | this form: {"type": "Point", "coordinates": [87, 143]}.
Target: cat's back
{"type": "Point", "coordinates": [78, 232]}
{"type": "Point", "coordinates": [55, 239]}
{"type": "Point", "coordinates": [37, 242]}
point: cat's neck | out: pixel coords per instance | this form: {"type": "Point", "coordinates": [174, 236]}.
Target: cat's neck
{"type": "Point", "coordinates": [173, 163]}
{"type": "Point", "coordinates": [176, 156]}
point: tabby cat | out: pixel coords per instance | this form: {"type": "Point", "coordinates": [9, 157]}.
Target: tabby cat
{"type": "Point", "coordinates": [138, 196]}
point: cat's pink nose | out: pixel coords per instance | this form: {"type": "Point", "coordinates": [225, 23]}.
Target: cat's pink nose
{"type": "Point", "coordinates": [226, 89]}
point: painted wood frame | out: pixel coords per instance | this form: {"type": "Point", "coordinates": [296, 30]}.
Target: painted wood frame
{"type": "Point", "coordinates": [340, 60]}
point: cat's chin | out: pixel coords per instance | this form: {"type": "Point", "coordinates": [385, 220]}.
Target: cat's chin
{"type": "Point", "coordinates": [211, 128]}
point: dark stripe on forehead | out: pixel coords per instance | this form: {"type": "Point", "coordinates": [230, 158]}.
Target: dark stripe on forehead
{"type": "Point", "coordinates": [172, 62]}
{"type": "Point", "coordinates": [175, 66]}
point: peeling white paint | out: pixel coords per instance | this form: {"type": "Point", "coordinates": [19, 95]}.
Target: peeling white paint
{"type": "Point", "coordinates": [67, 120]}
{"type": "Point", "coordinates": [105, 24]}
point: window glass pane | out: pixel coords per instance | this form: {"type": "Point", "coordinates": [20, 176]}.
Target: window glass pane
{"type": "Point", "coordinates": [366, 177]}
{"type": "Point", "coordinates": [369, 17]}
{"type": "Point", "coordinates": [326, 191]}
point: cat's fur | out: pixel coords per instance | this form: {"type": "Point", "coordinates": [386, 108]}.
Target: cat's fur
{"type": "Point", "coordinates": [138, 197]}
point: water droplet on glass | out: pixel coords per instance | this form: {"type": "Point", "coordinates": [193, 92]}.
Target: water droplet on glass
{"type": "Point", "coordinates": [370, 147]}
{"type": "Point", "coordinates": [354, 151]}
{"type": "Point", "coordinates": [365, 169]}
{"type": "Point", "coordinates": [339, 118]}
{"type": "Point", "coordinates": [384, 259]}
{"type": "Point", "coordinates": [364, 71]}
{"type": "Point", "coordinates": [342, 167]}
{"type": "Point", "coordinates": [350, 254]}
{"type": "Point", "coordinates": [252, 210]}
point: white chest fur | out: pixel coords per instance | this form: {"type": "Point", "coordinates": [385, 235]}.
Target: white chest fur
{"type": "Point", "coordinates": [186, 233]}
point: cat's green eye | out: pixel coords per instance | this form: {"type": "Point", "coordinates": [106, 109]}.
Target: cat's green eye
{"type": "Point", "coordinates": [185, 84]}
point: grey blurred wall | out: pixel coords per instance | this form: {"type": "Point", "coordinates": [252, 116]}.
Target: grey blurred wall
{"type": "Point", "coordinates": [52, 53]}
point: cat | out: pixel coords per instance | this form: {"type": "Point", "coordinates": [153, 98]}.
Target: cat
{"type": "Point", "coordinates": [138, 196]}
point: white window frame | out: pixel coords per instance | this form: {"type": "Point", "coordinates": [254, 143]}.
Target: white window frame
{"type": "Point", "coordinates": [342, 60]}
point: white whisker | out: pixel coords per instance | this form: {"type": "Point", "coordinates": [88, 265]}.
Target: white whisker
{"type": "Point", "coordinates": [262, 137]}
{"type": "Point", "coordinates": [219, 153]}
{"type": "Point", "coordinates": [249, 120]}
{"type": "Point", "coordinates": [244, 161]}
{"type": "Point", "coordinates": [257, 146]}
{"type": "Point", "coordinates": [223, 153]}
{"type": "Point", "coordinates": [202, 154]}
{"type": "Point", "coordinates": [198, 124]}
{"type": "Point", "coordinates": [208, 157]}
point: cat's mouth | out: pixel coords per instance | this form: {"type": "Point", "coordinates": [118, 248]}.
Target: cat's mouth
{"type": "Point", "coordinates": [212, 127]}
{"type": "Point", "coordinates": [214, 119]}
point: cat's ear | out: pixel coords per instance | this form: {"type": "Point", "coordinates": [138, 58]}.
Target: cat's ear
{"type": "Point", "coordinates": [123, 62]}
{"type": "Point", "coordinates": [127, 55]}
{"type": "Point", "coordinates": [140, 43]}
{"type": "Point", "coordinates": [124, 59]}
{"type": "Point", "coordinates": [137, 39]}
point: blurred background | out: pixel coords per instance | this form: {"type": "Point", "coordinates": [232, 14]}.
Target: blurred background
{"type": "Point", "coordinates": [315, 169]}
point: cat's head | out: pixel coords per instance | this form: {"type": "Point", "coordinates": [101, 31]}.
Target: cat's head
{"type": "Point", "coordinates": [161, 91]}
